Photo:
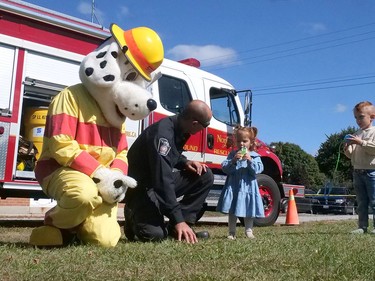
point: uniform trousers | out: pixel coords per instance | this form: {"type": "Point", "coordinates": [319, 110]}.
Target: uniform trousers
{"type": "Point", "coordinates": [144, 217]}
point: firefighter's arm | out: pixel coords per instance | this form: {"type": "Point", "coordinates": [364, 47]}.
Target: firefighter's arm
{"type": "Point", "coordinates": [182, 162]}
{"type": "Point", "coordinates": [163, 179]}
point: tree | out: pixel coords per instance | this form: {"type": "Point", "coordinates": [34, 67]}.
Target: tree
{"type": "Point", "coordinates": [299, 167]}
{"type": "Point", "coordinates": [332, 160]}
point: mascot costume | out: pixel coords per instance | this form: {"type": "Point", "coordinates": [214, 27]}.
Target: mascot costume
{"type": "Point", "coordinates": [83, 164]}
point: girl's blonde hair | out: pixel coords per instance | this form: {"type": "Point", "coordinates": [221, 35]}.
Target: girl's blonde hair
{"type": "Point", "coordinates": [252, 131]}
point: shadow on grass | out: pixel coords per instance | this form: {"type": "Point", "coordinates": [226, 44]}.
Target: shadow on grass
{"type": "Point", "coordinates": [21, 245]}
{"type": "Point", "coordinates": [21, 223]}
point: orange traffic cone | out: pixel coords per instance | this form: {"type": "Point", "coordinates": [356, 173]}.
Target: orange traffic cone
{"type": "Point", "coordinates": [291, 213]}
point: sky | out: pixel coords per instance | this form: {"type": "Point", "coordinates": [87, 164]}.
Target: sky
{"type": "Point", "coordinates": [307, 62]}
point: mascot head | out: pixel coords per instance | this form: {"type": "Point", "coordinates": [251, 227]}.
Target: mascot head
{"type": "Point", "coordinates": [117, 72]}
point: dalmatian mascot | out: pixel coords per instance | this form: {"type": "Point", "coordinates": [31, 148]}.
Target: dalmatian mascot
{"type": "Point", "coordinates": [83, 164]}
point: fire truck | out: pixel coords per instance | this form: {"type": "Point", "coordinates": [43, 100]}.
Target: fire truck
{"type": "Point", "coordinates": [40, 54]}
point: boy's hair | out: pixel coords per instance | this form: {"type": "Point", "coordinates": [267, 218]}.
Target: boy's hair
{"type": "Point", "coordinates": [364, 104]}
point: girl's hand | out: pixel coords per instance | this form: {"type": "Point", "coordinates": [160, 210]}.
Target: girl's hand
{"type": "Point", "coordinates": [247, 157]}
{"type": "Point", "coordinates": [237, 157]}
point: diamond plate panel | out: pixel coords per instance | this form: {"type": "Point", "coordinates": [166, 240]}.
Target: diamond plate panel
{"type": "Point", "coordinates": [4, 140]}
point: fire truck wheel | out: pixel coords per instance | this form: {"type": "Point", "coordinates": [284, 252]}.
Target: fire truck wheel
{"type": "Point", "coordinates": [270, 193]}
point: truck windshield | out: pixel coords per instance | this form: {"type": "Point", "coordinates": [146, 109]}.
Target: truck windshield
{"type": "Point", "coordinates": [224, 107]}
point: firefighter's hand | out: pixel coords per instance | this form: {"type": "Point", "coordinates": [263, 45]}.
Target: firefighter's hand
{"type": "Point", "coordinates": [112, 184]}
{"type": "Point", "coordinates": [184, 232]}
{"type": "Point", "coordinates": [196, 167]}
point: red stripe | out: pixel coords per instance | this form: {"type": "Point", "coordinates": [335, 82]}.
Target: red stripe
{"type": "Point", "coordinates": [9, 158]}
{"type": "Point", "coordinates": [44, 168]}
{"type": "Point", "coordinates": [119, 164]}
{"type": "Point", "coordinates": [123, 143]}
{"type": "Point", "coordinates": [36, 31]}
{"type": "Point", "coordinates": [136, 52]}
{"type": "Point", "coordinates": [85, 163]}
{"type": "Point", "coordinates": [84, 133]}
{"type": "Point", "coordinates": [60, 124]}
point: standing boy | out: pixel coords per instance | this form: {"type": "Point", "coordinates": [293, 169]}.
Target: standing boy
{"type": "Point", "coordinates": [360, 148]}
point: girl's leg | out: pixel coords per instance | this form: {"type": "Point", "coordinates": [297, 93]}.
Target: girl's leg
{"type": "Point", "coordinates": [232, 223]}
{"type": "Point", "coordinates": [249, 223]}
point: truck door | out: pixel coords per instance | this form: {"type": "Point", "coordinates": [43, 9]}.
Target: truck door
{"type": "Point", "coordinates": [8, 109]}
{"type": "Point", "coordinates": [173, 92]}
{"type": "Point", "coordinates": [225, 116]}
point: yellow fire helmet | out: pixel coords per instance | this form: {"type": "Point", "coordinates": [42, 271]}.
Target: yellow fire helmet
{"type": "Point", "coordinates": [144, 48]}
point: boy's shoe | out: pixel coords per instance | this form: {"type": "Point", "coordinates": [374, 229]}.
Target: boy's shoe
{"type": "Point", "coordinates": [249, 234]}
{"type": "Point", "coordinates": [359, 231]}
{"type": "Point", "coordinates": [231, 237]}
{"type": "Point", "coordinates": [372, 231]}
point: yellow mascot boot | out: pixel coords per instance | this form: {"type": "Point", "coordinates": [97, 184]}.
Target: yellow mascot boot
{"type": "Point", "coordinates": [46, 236]}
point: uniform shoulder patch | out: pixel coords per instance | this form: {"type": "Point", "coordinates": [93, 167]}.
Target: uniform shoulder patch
{"type": "Point", "coordinates": [164, 147]}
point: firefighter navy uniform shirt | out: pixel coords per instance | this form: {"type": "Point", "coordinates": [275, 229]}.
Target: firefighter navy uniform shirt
{"type": "Point", "coordinates": [152, 158]}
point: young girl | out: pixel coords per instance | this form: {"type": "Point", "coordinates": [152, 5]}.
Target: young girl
{"type": "Point", "coordinates": [240, 196]}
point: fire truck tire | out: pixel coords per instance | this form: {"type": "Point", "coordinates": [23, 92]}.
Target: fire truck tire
{"type": "Point", "coordinates": [271, 196]}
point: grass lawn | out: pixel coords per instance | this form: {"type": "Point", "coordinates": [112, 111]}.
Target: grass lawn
{"type": "Point", "coordinates": [309, 251]}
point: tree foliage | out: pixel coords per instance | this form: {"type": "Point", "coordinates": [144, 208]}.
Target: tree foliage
{"type": "Point", "coordinates": [332, 160]}
{"type": "Point", "coordinates": [299, 167]}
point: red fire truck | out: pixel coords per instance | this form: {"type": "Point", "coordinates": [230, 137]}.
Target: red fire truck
{"type": "Point", "coordinates": [40, 53]}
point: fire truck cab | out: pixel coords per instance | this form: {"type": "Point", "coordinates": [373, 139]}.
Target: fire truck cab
{"type": "Point", "coordinates": [41, 50]}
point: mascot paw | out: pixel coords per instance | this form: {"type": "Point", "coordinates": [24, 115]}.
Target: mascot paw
{"type": "Point", "coordinates": [112, 184]}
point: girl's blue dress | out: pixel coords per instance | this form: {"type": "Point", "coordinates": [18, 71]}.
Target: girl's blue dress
{"type": "Point", "coordinates": [240, 195]}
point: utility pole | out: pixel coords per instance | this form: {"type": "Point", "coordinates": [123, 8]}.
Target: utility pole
{"type": "Point", "coordinates": [92, 10]}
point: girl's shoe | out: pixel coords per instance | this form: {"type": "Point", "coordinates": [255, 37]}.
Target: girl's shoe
{"type": "Point", "coordinates": [359, 231]}
{"type": "Point", "coordinates": [249, 234]}
{"type": "Point", "coordinates": [231, 237]}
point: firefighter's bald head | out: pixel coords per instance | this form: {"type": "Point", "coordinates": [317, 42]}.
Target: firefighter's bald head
{"type": "Point", "coordinates": [195, 117]}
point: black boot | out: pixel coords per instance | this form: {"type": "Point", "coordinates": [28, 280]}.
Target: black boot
{"type": "Point", "coordinates": [129, 224]}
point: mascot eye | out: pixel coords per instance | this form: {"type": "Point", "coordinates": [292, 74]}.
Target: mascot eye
{"type": "Point", "coordinates": [100, 55]}
{"type": "Point", "coordinates": [131, 76]}
{"type": "Point", "coordinates": [114, 54]}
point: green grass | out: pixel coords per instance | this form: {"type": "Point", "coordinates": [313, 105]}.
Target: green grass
{"type": "Point", "coordinates": [309, 251]}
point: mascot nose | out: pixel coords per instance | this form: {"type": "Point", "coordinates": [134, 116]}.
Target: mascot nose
{"type": "Point", "coordinates": [151, 104]}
